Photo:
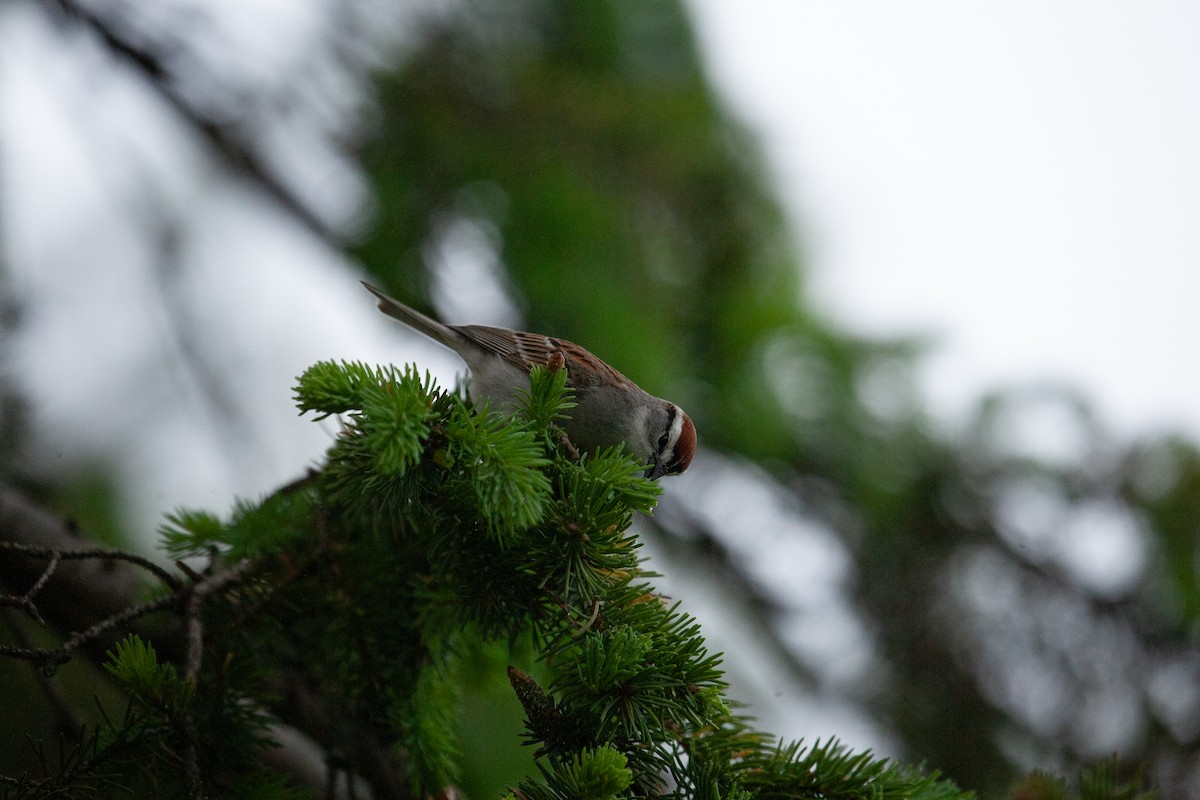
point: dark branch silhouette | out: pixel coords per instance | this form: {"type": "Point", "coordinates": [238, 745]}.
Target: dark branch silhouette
{"type": "Point", "coordinates": [239, 153]}
{"type": "Point", "coordinates": [95, 597]}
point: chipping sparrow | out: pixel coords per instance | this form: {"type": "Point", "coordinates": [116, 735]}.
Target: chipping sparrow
{"type": "Point", "coordinates": [610, 410]}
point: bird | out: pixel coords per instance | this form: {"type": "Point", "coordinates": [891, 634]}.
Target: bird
{"type": "Point", "coordinates": [610, 409]}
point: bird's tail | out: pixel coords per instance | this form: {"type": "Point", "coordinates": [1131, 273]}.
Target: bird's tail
{"type": "Point", "coordinates": [415, 319]}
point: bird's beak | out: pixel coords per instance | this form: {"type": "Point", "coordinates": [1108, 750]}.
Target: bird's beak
{"type": "Point", "coordinates": [656, 470]}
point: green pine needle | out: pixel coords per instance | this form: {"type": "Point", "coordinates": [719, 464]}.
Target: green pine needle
{"type": "Point", "coordinates": [190, 533]}
{"type": "Point", "coordinates": [599, 774]}
{"type": "Point", "coordinates": [134, 664]}
{"type": "Point", "coordinates": [434, 526]}
{"type": "Point", "coordinates": [1104, 782]}
{"type": "Point", "coordinates": [831, 770]}
{"type": "Point", "coordinates": [504, 464]}
{"type": "Point", "coordinates": [548, 398]}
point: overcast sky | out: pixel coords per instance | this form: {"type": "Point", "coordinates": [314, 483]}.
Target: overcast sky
{"type": "Point", "coordinates": [1020, 179]}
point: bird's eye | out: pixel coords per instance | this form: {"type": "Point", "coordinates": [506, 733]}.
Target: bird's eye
{"type": "Point", "coordinates": [662, 441]}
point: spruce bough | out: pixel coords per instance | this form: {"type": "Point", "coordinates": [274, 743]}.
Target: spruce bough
{"type": "Point", "coordinates": [434, 526]}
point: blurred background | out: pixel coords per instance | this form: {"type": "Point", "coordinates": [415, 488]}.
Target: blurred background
{"type": "Point", "coordinates": [923, 274]}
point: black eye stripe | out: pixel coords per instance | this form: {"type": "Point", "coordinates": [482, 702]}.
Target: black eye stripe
{"type": "Point", "coordinates": [665, 439]}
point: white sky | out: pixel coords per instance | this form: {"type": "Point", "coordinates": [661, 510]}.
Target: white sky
{"type": "Point", "coordinates": [1020, 179]}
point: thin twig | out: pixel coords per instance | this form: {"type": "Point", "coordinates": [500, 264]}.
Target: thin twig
{"type": "Point", "coordinates": [66, 721]}
{"type": "Point", "coordinates": [25, 604]}
{"type": "Point", "coordinates": [196, 595]}
{"type": "Point", "coordinates": [50, 660]}
{"type": "Point", "coordinates": [25, 601]}
{"type": "Point", "coordinates": [103, 554]}
{"type": "Point", "coordinates": [195, 634]}
{"type": "Point", "coordinates": [37, 587]}
{"type": "Point", "coordinates": [81, 592]}
{"type": "Point", "coordinates": [191, 772]}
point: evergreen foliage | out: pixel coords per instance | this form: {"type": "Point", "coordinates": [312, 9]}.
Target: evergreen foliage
{"type": "Point", "coordinates": [433, 526]}
{"type": "Point", "coordinates": [1104, 781]}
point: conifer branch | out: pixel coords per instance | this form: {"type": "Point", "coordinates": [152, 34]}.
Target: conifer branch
{"type": "Point", "coordinates": [51, 659]}
{"type": "Point", "coordinates": [85, 589]}
{"type": "Point", "coordinates": [348, 596]}
{"type": "Point", "coordinates": [55, 555]}
{"type": "Point", "coordinates": [97, 597]}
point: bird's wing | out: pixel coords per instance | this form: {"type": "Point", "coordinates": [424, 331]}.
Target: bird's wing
{"type": "Point", "coordinates": [524, 350]}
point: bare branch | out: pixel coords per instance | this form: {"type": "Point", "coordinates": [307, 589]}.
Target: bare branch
{"type": "Point", "coordinates": [84, 590]}
{"type": "Point", "coordinates": [66, 721]}
{"type": "Point", "coordinates": [50, 660]}
{"type": "Point", "coordinates": [25, 601]}
{"type": "Point", "coordinates": [101, 601]}
{"type": "Point", "coordinates": [55, 554]}
{"type": "Point", "coordinates": [196, 596]}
